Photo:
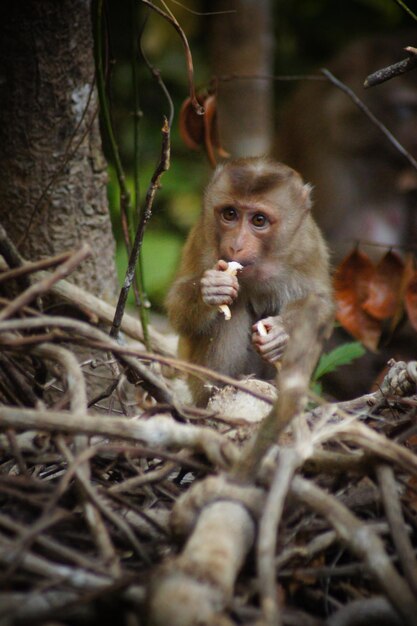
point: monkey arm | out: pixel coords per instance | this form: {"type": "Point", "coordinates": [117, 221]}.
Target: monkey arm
{"type": "Point", "coordinates": [187, 312]}
{"type": "Point", "coordinates": [193, 301]}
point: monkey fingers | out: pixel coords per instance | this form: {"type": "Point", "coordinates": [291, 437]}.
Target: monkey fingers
{"type": "Point", "coordinates": [274, 349]}
{"type": "Point", "coordinates": [271, 346]}
{"type": "Point", "coordinates": [218, 288]}
{"type": "Point", "coordinates": [215, 297]}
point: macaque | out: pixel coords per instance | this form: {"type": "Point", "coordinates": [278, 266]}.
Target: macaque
{"type": "Point", "coordinates": [256, 213]}
{"type": "Point", "coordinates": [364, 189]}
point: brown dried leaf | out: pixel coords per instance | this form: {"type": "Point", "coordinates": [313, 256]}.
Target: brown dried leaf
{"type": "Point", "coordinates": [351, 285]}
{"type": "Point", "coordinates": [384, 287]}
{"type": "Point", "coordinates": [191, 125]}
{"type": "Point", "coordinates": [201, 130]}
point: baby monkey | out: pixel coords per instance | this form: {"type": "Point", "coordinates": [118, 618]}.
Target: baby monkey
{"type": "Point", "coordinates": [256, 212]}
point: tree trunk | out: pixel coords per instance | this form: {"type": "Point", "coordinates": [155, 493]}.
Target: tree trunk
{"type": "Point", "coordinates": [53, 174]}
{"type": "Point", "coordinates": [241, 43]}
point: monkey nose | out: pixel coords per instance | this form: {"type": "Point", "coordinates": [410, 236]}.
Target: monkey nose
{"type": "Point", "coordinates": [235, 249]}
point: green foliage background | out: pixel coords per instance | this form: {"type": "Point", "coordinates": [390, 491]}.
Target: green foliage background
{"type": "Point", "coordinates": [307, 33]}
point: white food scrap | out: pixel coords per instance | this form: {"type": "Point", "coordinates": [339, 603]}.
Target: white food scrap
{"type": "Point", "coordinates": [234, 266]}
{"type": "Point", "coordinates": [261, 328]}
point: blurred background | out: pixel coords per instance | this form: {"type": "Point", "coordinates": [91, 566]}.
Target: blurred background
{"type": "Point", "coordinates": [363, 188]}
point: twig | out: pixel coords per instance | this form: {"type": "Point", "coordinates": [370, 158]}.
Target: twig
{"type": "Point", "coordinates": [18, 380]}
{"type": "Point", "coordinates": [156, 74]}
{"type": "Point", "coordinates": [45, 285]}
{"type": "Point", "coordinates": [157, 432]}
{"type": "Point", "coordinates": [74, 577]}
{"type": "Point", "coordinates": [145, 479]}
{"type": "Point", "coordinates": [203, 13]}
{"type": "Point", "coordinates": [105, 312]}
{"type": "Point", "coordinates": [103, 507]}
{"type": "Point", "coordinates": [396, 69]}
{"type": "Point", "coordinates": [78, 404]}
{"type": "Point", "coordinates": [105, 112]}
{"type": "Point", "coordinates": [372, 441]}
{"type": "Point", "coordinates": [271, 77]}
{"type": "Point", "coordinates": [98, 339]}
{"type": "Point", "coordinates": [34, 266]}
{"type": "Point", "coordinates": [335, 81]}
{"type": "Point", "coordinates": [406, 9]}
{"type": "Point", "coordinates": [126, 208]}
{"type": "Point", "coordinates": [363, 542]}
{"type": "Point", "coordinates": [189, 59]}
{"type": "Point", "coordinates": [52, 546]}
{"type": "Point", "coordinates": [141, 298]}
{"type": "Point", "coordinates": [162, 167]}
{"type": "Point", "coordinates": [288, 462]}
{"type": "Point", "coordinates": [395, 518]}
{"type": "Point", "coordinates": [11, 255]}
{"type": "Point", "coordinates": [366, 611]}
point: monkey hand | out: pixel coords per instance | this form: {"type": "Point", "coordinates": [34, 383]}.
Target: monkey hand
{"type": "Point", "coordinates": [270, 338]}
{"type": "Point", "coordinates": [218, 286]}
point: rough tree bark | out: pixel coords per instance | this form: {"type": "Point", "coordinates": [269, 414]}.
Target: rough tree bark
{"type": "Point", "coordinates": [53, 174]}
{"type": "Point", "coordinates": [241, 42]}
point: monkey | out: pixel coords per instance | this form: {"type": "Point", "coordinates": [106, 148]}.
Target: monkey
{"type": "Point", "coordinates": [256, 212]}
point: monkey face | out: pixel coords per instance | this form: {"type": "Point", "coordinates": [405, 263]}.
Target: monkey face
{"type": "Point", "coordinates": [243, 233]}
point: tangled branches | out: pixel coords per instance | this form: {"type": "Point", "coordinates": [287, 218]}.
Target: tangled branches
{"type": "Point", "coordinates": [118, 499]}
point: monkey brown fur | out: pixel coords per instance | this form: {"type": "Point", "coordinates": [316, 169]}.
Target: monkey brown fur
{"type": "Point", "coordinates": [256, 212]}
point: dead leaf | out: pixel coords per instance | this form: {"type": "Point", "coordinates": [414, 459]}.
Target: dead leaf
{"type": "Point", "coordinates": [384, 287]}
{"type": "Point", "coordinates": [202, 130]}
{"type": "Point", "coordinates": [351, 285]}
{"type": "Point", "coordinates": [191, 125]}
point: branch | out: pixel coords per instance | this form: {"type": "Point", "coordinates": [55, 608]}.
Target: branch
{"type": "Point", "coordinates": [335, 81]}
{"type": "Point", "coordinates": [45, 285]}
{"type": "Point", "coordinates": [162, 167]}
{"type": "Point", "coordinates": [189, 59]}
{"type": "Point", "coordinates": [396, 69]}
{"type": "Point", "coordinates": [156, 432]}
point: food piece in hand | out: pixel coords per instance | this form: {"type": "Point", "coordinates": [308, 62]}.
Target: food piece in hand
{"type": "Point", "coordinates": [234, 266]}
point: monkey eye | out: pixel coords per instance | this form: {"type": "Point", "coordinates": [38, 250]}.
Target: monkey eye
{"type": "Point", "coordinates": [259, 220]}
{"type": "Point", "coordinates": [229, 213]}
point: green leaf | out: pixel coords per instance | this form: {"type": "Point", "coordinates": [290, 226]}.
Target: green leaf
{"type": "Point", "coordinates": [342, 355]}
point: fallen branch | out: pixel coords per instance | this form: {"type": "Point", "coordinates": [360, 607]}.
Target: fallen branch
{"type": "Point", "coordinates": [197, 586]}
{"type": "Point", "coordinates": [156, 432]}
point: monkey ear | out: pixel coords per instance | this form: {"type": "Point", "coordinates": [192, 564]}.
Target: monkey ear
{"type": "Point", "coordinates": [219, 169]}
{"type": "Point", "coordinates": [306, 195]}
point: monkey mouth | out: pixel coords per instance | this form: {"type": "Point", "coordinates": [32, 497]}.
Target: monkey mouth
{"type": "Point", "coordinates": [244, 262]}
{"type": "Point", "coordinates": [247, 267]}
